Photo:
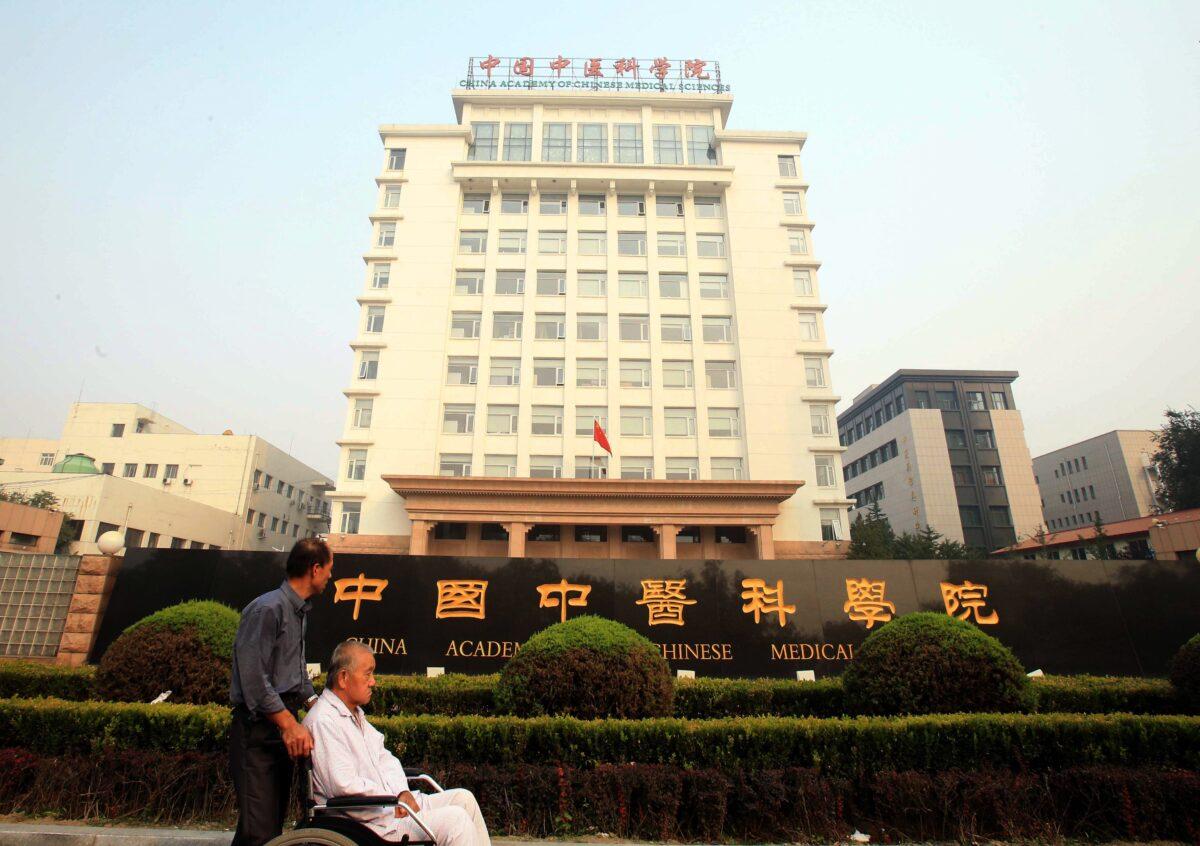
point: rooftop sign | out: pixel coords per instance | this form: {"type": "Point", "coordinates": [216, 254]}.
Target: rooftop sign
{"type": "Point", "coordinates": [696, 76]}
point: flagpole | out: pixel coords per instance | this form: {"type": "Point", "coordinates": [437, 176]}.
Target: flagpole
{"type": "Point", "coordinates": [595, 422]}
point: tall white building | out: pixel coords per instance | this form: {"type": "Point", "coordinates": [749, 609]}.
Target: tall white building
{"type": "Point", "coordinates": [557, 258]}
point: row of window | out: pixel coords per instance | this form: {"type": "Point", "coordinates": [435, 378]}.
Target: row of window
{"type": "Point", "coordinates": [872, 459]}
{"type": "Point", "coordinates": [515, 242]}
{"type": "Point", "coordinates": [983, 438]}
{"type": "Point", "coordinates": [459, 419]}
{"type": "Point", "coordinates": [509, 325]}
{"type": "Point", "coordinates": [265, 481]}
{"type": "Point", "coordinates": [999, 517]}
{"type": "Point", "coordinates": [590, 467]}
{"type": "Point", "coordinates": [944, 400]}
{"type": "Point", "coordinates": [141, 539]}
{"type": "Point", "coordinates": [1088, 519]}
{"type": "Point", "coordinates": [872, 420]}
{"type": "Point", "coordinates": [868, 496]}
{"type": "Point", "coordinates": [130, 469]}
{"type": "Point", "coordinates": [948, 400]}
{"type": "Point", "coordinates": [592, 205]}
{"type": "Point", "coordinates": [964, 476]}
{"type": "Point", "coordinates": [1078, 495]}
{"type": "Point", "coordinates": [588, 143]}
{"type": "Point", "coordinates": [279, 525]}
{"type": "Point", "coordinates": [1071, 466]}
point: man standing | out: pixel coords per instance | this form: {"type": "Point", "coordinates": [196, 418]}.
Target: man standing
{"type": "Point", "coordinates": [269, 685]}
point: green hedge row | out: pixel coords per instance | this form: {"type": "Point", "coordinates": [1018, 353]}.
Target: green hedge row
{"type": "Point", "coordinates": [843, 746]}
{"type": "Point", "coordinates": [28, 678]}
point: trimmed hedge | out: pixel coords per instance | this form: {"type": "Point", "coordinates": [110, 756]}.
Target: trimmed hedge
{"type": "Point", "coordinates": [27, 678]}
{"type": "Point", "coordinates": [1185, 674]}
{"type": "Point", "coordinates": [847, 746]}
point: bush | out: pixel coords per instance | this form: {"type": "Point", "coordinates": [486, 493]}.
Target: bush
{"type": "Point", "coordinates": [186, 649]}
{"type": "Point", "coordinates": [588, 667]}
{"type": "Point", "coordinates": [1185, 674]}
{"type": "Point", "coordinates": [26, 678]}
{"type": "Point", "coordinates": [1104, 695]}
{"type": "Point", "coordinates": [452, 695]}
{"type": "Point", "coordinates": [931, 663]}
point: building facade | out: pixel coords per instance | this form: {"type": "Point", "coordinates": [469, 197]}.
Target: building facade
{"type": "Point", "coordinates": [557, 259]}
{"type": "Point", "coordinates": [943, 448]}
{"type": "Point", "coordinates": [1109, 477]}
{"type": "Point", "coordinates": [124, 465]}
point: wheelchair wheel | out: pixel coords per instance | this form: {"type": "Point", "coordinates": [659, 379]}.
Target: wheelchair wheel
{"type": "Point", "coordinates": [311, 837]}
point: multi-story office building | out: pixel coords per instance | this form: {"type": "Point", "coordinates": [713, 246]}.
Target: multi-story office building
{"type": "Point", "coordinates": [944, 448]}
{"type": "Point", "coordinates": [1109, 477]}
{"type": "Point", "coordinates": [562, 258]}
{"type": "Point", "coordinates": [125, 465]}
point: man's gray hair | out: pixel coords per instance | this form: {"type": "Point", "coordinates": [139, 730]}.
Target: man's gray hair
{"type": "Point", "coordinates": [343, 659]}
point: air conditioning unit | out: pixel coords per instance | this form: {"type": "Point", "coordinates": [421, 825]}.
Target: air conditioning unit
{"type": "Point", "coordinates": [262, 533]}
{"type": "Point", "coordinates": [187, 483]}
{"type": "Point", "coordinates": [167, 481]}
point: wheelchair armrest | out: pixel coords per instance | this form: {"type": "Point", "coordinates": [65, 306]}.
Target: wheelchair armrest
{"type": "Point", "coordinates": [418, 775]}
{"type": "Point", "coordinates": [360, 801]}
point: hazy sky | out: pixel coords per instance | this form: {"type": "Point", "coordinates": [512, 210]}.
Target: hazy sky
{"type": "Point", "coordinates": [184, 190]}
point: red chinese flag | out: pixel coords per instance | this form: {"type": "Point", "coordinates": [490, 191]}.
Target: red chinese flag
{"type": "Point", "coordinates": [599, 437]}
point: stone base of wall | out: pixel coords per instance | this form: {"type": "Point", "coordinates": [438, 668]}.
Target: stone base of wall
{"type": "Point", "coordinates": [93, 586]}
{"type": "Point", "coordinates": [795, 550]}
{"type": "Point", "coordinates": [375, 544]}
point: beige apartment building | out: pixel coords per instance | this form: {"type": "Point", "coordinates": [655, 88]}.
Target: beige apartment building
{"type": "Point", "coordinates": [1110, 477]}
{"type": "Point", "coordinates": [125, 466]}
{"type": "Point", "coordinates": [558, 258]}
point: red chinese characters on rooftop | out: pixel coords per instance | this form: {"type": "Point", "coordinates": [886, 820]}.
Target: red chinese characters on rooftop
{"type": "Point", "coordinates": [594, 68]}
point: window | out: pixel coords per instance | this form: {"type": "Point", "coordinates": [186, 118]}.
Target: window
{"type": "Point", "coordinates": [991, 476]}
{"type": "Point", "coordinates": [671, 244]}
{"type": "Point", "coordinates": [351, 515]}
{"type": "Point", "coordinates": [476, 203]}
{"type": "Point", "coordinates": [396, 158]}
{"type": "Point", "coordinates": [677, 374]}
{"type": "Point", "coordinates": [668, 146]}
{"type": "Point", "coordinates": [593, 243]}
{"type": "Point", "coordinates": [593, 142]}
{"type": "Point", "coordinates": [826, 471]}
{"type": "Point", "coordinates": [787, 166]}
{"type": "Point", "coordinates": [46, 459]}
{"type": "Point", "coordinates": [545, 467]}
{"type": "Point", "coordinates": [831, 524]}
{"type": "Point", "coordinates": [514, 204]}
{"type": "Point", "coordinates": [552, 243]}
{"type": "Point", "coordinates": [631, 243]}
{"type": "Point", "coordinates": [683, 468]}
{"type": "Point", "coordinates": [724, 423]}
{"type": "Point", "coordinates": [486, 144]}
{"type": "Point", "coordinates": [512, 241]}
{"type": "Point", "coordinates": [464, 324]}
{"type": "Point", "coordinates": [956, 439]}
{"type": "Point", "coordinates": [262, 519]}
{"type": "Point", "coordinates": [507, 325]}
{"type": "Point", "coordinates": [635, 373]}
{"type": "Point", "coordinates": [1092, 491]}
{"type": "Point", "coordinates": [552, 283]}
{"type": "Point", "coordinates": [550, 327]}
{"type": "Point", "coordinates": [458, 419]}
{"type": "Point", "coordinates": [676, 329]}
{"type": "Point", "coordinates": [802, 283]}
{"type": "Point", "coordinates": [150, 471]}
{"type": "Point", "coordinates": [797, 242]}
{"type": "Point", "coordinates": [791, 203]}
{"type": "Point", "coordinates": [504, 371]}
{"type": "Point", "coordinates": [700, 146]}
{"type": "Point", "coordinates": [591, 467]}
{"type": "Point", "coordinates": [592, 284]}
{"type": "Point", "coordinates": [814, 372]}
{"type": "Point", "coordinates": [631, 206]}
{"type": "Point", "coordinates": [637, 468]}
{"type": "Point", "coordinates": [391, 197]}
{"type": "Point", "coordinates": [922, 398]}
{"type": "Point", "coordinates": [718, 330]}
{"type": "Point", "coordinates": [709, 207]}
{"type": "Point", "coordinates": [591, 534]}
{"type": "Point", "coordinates": [720, 375]}
{"type": "Point", "coordinates": [454, 465]}
{"type": "Point", "coordinates": [592, 204]}
{"type": "Point", "coordinates": [502, 420]}
{"type": "Point", "coordinates": [591, 373]}
{"type": "Point", "coordinates": [548, 372]}
{"type": "Point", "coordinates": [472, 242]}
{"type": "Point", "coordinates": [808, 326]}
{"type": "Point", "coordinates": [461, 370]}
{"type": "Point", "coordinates": [553, 204]}
{"type": "Point", "coordinates": [946, 400]}
{"type": "Point", "coordinates": [714, 287]}
{"type": "Point", "coordinates": [1084, 460]}
{"type": "Point", "coordinates": [634, 327]}
{"type": "Point", "coordinates": [1000, 517]}
{"type": "Point", "coordinates": [710, 245]}
{"type": "Point", "coordinates": [672, 286]}
{"type": "Point", "coordinates": [468, 282]}
{"type": "Point", "coordinates": [587, 416]}
{"type": "Point", "coordinates": [510, 283]}
{"type": "Point", "coordinates": [368, 365]}
{"type": "Point", "coordinates": [171, 471]}
{"type": "Point", "coordinates": [668, 206]}
{"type": "Point", "coordinates": [363, 409]}
{"type": "Point", "coordinates": [547, 420]}
{"type": "Point", "coordinates": [627, 143]}
{"type": "Point", "coordinates": [375, 319]}
{"type": "Point", "coordinates": [503, 466]}
{"type": "Point", "coordinates": [249, 516]}
{"type": "Point", "coordinates": [984, 439]}
{"type": "Point", "coordinates": [380, 274]}
{"type": "Point", "coordinates": [591, 327]}
{"type": "Point", "coordinates": [963, 477]}
{"type": "Point", "coordinates": [130, 471]}
{"type": "Point", "coordinates": [818, 416]}
{"type": "Point", "coordinates": [999, 401]}
{"type": "Point", "coordinates": [975, 401]}
{"type": "Point", "coordinates": [356, 466]}
{"type": "Point", "coordinates": [680, 422]}
{"type": "Point", "coordinates": [635, 422]}
{"type": "Point", "coordinates": [556, 142]}
{"type": "Point", "coordinates": [518, 142]}
{"type": "Point", "coordinates": [727, 468]}
{"type": "Point", "coordinates": [969, 515]}
{"type": "Point", "coordinates": [387, 234]}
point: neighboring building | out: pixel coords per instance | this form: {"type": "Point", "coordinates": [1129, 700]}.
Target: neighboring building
{"type": "Point", "coordinates": [121, 464]}
{"type": "Point", "coordinates": [24, 528]}
{"type": "Point", "coordinates": [1109, 477]}
{"type": "Point", "coordinates": [559, 257]}
{"type": "Point", "coordinates": [944, 448]}
{"type": "Point", "coordinates": [1166, 537]}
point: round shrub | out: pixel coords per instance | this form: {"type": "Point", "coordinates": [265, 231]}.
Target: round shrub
{"type": "Point", "coordinates": [932, 663]}
{"type": "Point", "coordinates": [1185, 674]}
{"type": "Point", "coordinates": [590, 668]}
{"type": "Point", "coordinates": [186, 649]}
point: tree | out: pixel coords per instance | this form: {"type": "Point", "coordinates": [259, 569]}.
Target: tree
{"type": "Point", "coordinates": [1178, 460]}
{"type": "Point", "coordinates": [1100, 547]}
{"type": "Point", "coordinates": [872, 537]}
{"type": "Point", "coordinates": [41, 499]}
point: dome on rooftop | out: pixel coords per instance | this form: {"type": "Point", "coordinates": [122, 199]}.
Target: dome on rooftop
{"type": "Point", "coordinates": [76, 462]}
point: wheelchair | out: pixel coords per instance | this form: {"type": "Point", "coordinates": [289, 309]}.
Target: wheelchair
{"type": "Point", "coordinates": [327, 824]}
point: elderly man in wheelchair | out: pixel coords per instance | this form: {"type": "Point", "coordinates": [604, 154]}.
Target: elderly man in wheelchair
{"type": "Point", "coordinates": [358, 793]}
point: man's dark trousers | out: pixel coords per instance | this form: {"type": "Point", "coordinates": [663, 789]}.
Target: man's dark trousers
{"type": "Point", "coordinates": [262, 777]}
